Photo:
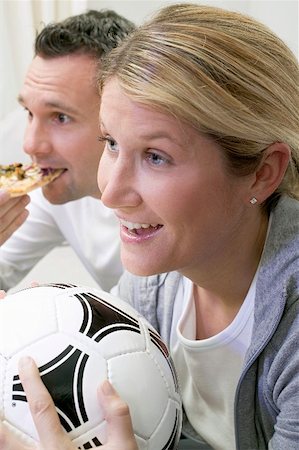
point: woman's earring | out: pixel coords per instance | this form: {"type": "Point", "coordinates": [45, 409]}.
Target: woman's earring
{"type": "Point", "coordinates": [253, 200]}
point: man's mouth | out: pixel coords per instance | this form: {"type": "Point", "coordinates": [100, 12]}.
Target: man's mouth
{"type": "Point", "coordinates": [50, 170]}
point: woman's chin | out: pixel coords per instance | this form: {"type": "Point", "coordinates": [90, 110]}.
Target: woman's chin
{"type": "Point", "coordinates": [141, 269]}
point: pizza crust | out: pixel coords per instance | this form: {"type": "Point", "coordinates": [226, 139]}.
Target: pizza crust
{"type": "Point", "coordinates": [19, 179]}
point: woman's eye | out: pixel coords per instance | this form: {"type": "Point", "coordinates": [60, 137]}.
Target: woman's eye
{"type": "Point", "coordinates": [111, 144]}
{"type": "Point", "coordinates": [156, 159]}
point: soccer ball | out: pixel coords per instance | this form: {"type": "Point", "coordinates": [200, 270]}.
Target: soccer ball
{"type": "Point", "coordinates": [79, 336]}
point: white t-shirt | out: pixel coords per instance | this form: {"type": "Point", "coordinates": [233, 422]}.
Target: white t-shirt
{"type": "Point", "coordinates": [209, 369]}
{"type": "Point", "coordinates": [90, 228]}
{"type": "Point", "coordinates": [86, 224]}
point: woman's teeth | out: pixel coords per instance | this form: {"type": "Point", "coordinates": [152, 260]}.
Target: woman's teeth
{"type": "Point", "coordinates": [137, 226]}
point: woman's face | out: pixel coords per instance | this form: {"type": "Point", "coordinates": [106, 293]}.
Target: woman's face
{"type": "Point", "coordinates": [178, 207]}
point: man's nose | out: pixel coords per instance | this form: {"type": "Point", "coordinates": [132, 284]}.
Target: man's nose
{"type": "Point", "coordinates": [36, 140]}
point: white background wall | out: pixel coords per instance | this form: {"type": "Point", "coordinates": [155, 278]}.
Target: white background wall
{"type": "Point", "coordinates": [20, 18]}
{"type": "Point", "coordinates": [280, 15]}
{"type": "Point", "coordinates": [18, 21]}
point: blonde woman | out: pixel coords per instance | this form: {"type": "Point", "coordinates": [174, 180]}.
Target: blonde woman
{"type": "Point", "coordinates": [200, 116]}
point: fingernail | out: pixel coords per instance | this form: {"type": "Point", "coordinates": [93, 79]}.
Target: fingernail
{"type": "Point", "coordinates": [25, 361]}
{"type": "Point", "coordinates": [107, 388]}
{"type": "Point", "coordinates": [26, 200]}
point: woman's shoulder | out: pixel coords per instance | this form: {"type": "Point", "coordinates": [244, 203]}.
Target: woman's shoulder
{"type": "Point", "coordinates": [282, 242]}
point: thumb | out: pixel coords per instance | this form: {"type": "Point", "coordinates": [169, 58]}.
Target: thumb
{"type": "Point", "coordinates": [120, 434]}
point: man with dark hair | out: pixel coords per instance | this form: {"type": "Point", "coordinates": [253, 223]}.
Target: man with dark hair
{"type": "Point", "coordinates": [93, 33]}
{"type": "Point", "coordinates": [61, 98]}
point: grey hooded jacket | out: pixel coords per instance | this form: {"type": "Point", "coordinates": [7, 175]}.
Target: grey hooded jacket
{"type": "Point", "coordinates": [267, 396]}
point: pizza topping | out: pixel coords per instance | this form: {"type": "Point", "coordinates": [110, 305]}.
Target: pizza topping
{"type": "Point", "coordinates": [19, 178]}
{"type": "Point", "coordinates": [16, 170]}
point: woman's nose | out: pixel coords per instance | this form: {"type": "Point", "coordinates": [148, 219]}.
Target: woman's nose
{"type": "Point", "coordinates": [118, 183]}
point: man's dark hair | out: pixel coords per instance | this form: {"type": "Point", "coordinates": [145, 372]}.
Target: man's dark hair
{"type": "Point", "coordinates": [94, 33]}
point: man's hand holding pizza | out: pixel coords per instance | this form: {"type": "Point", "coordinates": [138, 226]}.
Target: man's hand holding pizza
{"type": "Point", "coordinates": [16, 180]}
{"type": "Point", "coordinates": [13, 213]}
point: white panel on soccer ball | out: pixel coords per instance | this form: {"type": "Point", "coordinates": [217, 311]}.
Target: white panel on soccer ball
{"type": "Point", "coordinates": [25, 326]}
{"type": "Point", "coordinates": [168, 426]}
{"type": "Point", "coordinates": [167, 369]}
{"type": "Point", "coordinates": [74, 314]}
{"type": "Point", "coordinates": [131, 375]}
{"type": "Point", "coordinates": [121, 342]}
{"type": "Point", "coordinates": [3, 364]}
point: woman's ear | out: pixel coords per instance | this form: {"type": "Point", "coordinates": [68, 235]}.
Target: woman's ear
{"type": "Point", "coordinates": [270, 171]}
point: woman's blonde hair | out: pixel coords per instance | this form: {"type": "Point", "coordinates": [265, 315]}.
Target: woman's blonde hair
{"type": "Point", "coordinates": [225, 73]}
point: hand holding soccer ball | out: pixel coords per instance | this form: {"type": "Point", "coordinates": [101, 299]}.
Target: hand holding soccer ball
{"type": "Point", "coordinates": [51, 434]}
{"type": "Point", "coordinates": [78, 338]}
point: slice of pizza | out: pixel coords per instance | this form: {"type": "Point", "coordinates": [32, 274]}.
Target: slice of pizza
{"type": "Point", "coordinates": [19, 179]}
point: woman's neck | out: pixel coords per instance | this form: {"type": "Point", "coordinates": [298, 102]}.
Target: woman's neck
{"type": "Point", "coordinates": [219, 294]}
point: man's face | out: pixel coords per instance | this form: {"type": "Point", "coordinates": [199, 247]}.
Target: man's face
{"type": "Point", "coordinates": [61, 98]}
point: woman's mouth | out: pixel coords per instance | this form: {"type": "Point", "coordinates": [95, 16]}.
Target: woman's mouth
{"type": "Point", "coordinates": [145, 230]}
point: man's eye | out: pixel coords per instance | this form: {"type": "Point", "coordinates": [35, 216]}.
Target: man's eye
{"type": "Point", "coordinates": [29, 114]}
{"type": "Point", "coordinates": [63, 118]}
